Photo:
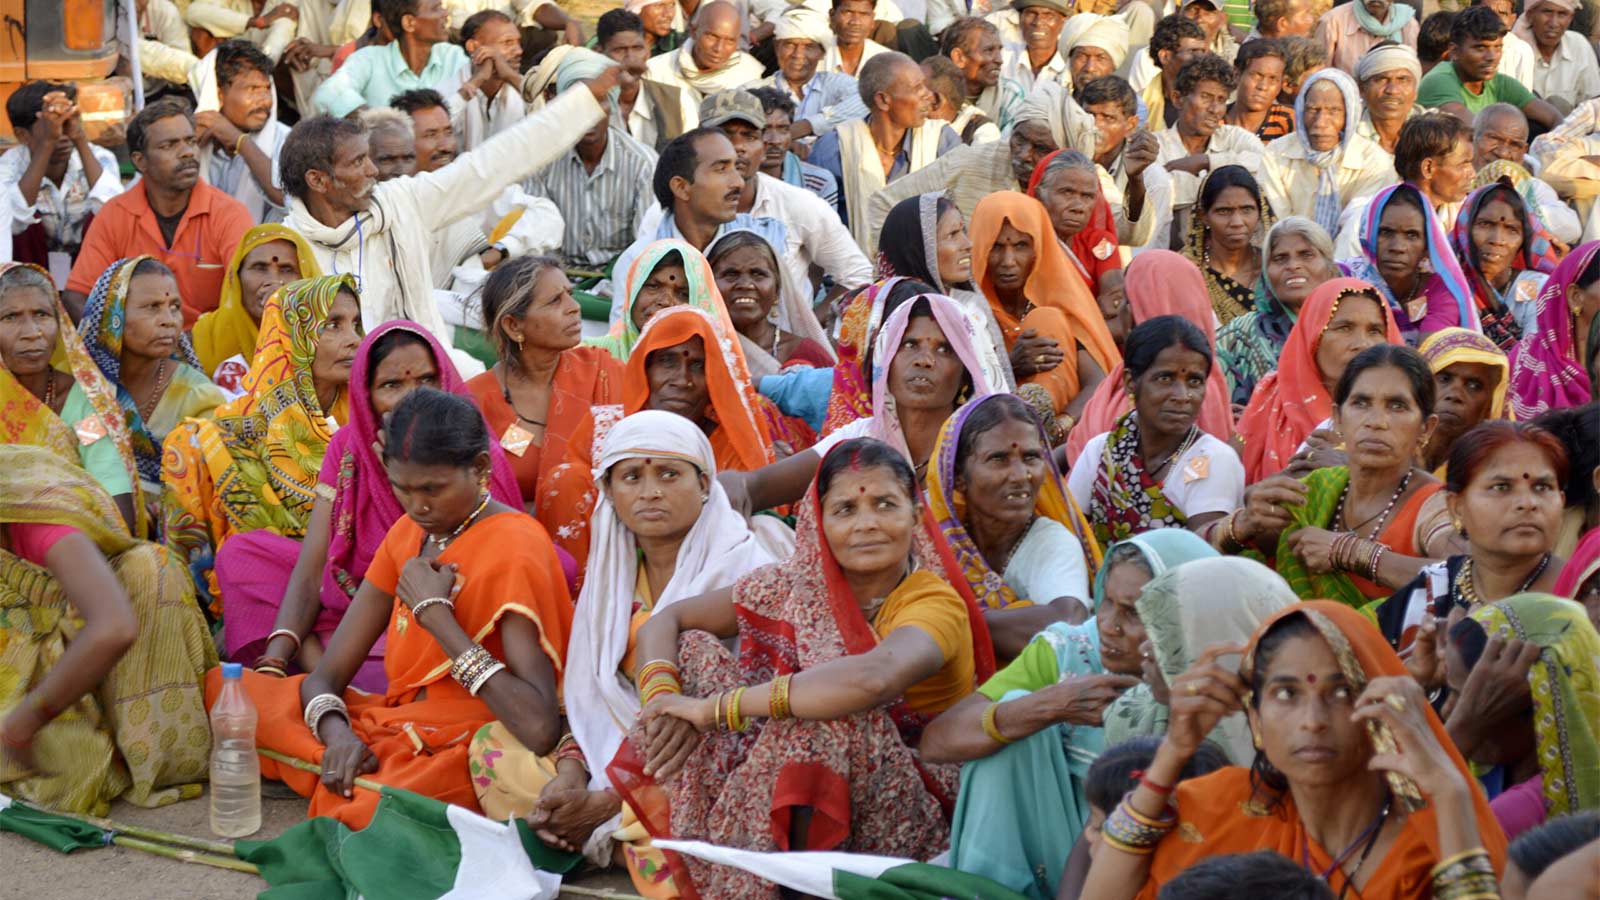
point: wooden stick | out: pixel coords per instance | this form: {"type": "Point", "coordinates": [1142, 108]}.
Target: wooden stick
{"type": "Point", "coordinates": [598, 892]}
{"type": "Point", "coordinates": [188, 856]}
{"type": "Point", "coordinates": [163, 837]}
{"type": "Point", "coordinates": [296, 763]}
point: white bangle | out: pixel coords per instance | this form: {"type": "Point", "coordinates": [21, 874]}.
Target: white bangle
{"type": "Point", "coordinates": [320, 706]}
{"type": "Point", "coordinates": [483, 679]}
{"type": "Point", "coordinates": [288, 633]}
{"type": "Point", "coordinates": [416, 611]}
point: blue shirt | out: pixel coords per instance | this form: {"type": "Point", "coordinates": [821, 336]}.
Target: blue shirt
{"type": "Point", "coordinates": [826, 155]}
{"type": "Point", "coordinates": [372, 76]}
{"type": "Point", "coordinates": [801, 392]}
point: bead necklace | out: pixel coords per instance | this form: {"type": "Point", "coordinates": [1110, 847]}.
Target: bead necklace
{"type": "Point", "coordinates": [443, 542]}
{"type": "Point", "coordinates": [1383, 517]}
{"type": "Point", "coordinates": [1466, 592]}
{"type": "Point", "coordinates": [148, 407]}
{"type": "Point", "coordinates": [50, 389]}
{"type": "Point", "coordinates": [1178, 452]}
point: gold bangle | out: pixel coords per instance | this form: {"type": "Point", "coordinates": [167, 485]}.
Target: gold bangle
{"type": "Point", "coordinates": [1459, 857]}
{"type": "Point", "coordinates": [989, 726]}
{"type": "Point", "coordinates": [736, 720]}
{"type": "Point", "coordinates": [778, 698]}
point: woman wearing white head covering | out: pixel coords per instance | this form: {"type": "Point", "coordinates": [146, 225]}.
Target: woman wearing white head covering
{"type": "Point", "coordinates": [1304, 174]}
{"type": "Point", "coordinates": [662, 531]}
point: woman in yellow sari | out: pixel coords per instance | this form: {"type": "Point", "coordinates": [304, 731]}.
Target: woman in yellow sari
{"type": "Point", "coordinates": [269, 257]}
{"type": "Point", "coordinates": [1470, 375]}
{"type": "Point", "coordinates": [53, 395]}
{"type": "Point", "coordinates": [253, 466]}
{"type": "Point", "coordinates": [102, 649]}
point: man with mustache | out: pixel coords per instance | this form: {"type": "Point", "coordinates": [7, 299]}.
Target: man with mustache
{"type": "Point", "coordinates": [1038, 58]}
{"type": "Point", "coordinates": [781, 162]}
{"type": "Point", "coordinates": [801, 38]}
{"type": "Point", "coordinates": [1198, 142]}
{"type": "Point", "coordinates": [973, 44]}
{"type": "Point", "coordinates": [1387, 76]}
{"type": "Point", "coordinates": [1500, 134]}
{"type": "Point", "coordinates": [1349, 31]}
{"type": "Point", "coordinates": [1564, 67]}
{"type": "Point", "coordinates": [1471, 77]}
{"type": "Point", "coordinates": [239, 130]}
{"type": "Point", "coordinates": [169, 213]}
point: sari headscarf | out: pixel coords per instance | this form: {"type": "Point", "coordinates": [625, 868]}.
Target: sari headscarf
{"type": "Point", "coordinates": [104, 316]}
{"type": "Point", "coordinates": [1445, 284]}
{"type": "Point", "coordinates": [1159, 283]}
{"type": "Point", "coordinates": [24, 419]}
{"type": "Point", "coordinates": [791, 313]}
{"type": "Point", "coordinates": [1505, 171]}
{"type": "Point", "coordinates": [1227, 812]}
{"type": "Point", "coordinates": [228, 330]}
{"type": "Point", "coordinates": [702, 293]}
{"type": "Point", "coordinates": [1161, 549]}
{"type": "Point", "coordinates": [1229, 299]}
{"type": "Point", "coordinates": [1207, 601]}
{"type": "Point", "coordinates": [1443, 349]}
{"type": "Point", "coordinates": [364, 506]}
{"type": "Point", "coordinates": [262, 452]}
{"type": "Point", "coordinates": [1290, 402]}
{"type": "Point", "coordinates": [1537, 253]}
{"type": "Point", "coordinates": [949, 507]}
{"type": "Point", "coordinates": [1545, 370]}
{"type": "Point", "coordinates": [909, 246]}
{"type": "Point", "coordinates": [719, 550]}
{"type": "Point", "coordinates": [851, 396]}
{"type": "Point", "coordinates": [733, 401]}
{"type": "Point", "coordinates": [957, 330]}
{"type": "Point", "coordinates": [1565, 683]}
{"type": "Point", "coordinates": [1325, 211]}
{"type": "Point", "coordinates": [1097, 239]}
{"type": "Point", "coordinates": [1053, 284]}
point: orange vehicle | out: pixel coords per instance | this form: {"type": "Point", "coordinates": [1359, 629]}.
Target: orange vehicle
{"type": "Point", "coordinates": [65, 40]}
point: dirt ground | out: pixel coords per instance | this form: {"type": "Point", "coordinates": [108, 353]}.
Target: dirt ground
{"type": "Point", "coordinates": [29, 871]}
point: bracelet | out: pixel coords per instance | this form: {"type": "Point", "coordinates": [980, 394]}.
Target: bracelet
{"type": "Point", "coordinates": [239, 143]}
{"type": "Point", "coordinates": [778, 698]}
{"type": "Point", "coordinates": [567, 748]}
{"type": "Point", "coordinates": [288, 633]}
{"type": "Point", "coordinates": [274, 671]}
{"type": "Point", "coordinates": [1128, 830]}
{"type": "Point", "coordinates": [1377, 560]}
{"type": "Point", "coordinates": [416, 611]}
{"type": "Point", "coordinates": [1465, 876]}
{"type": "Point", "coordinates": [716, 713]}
{"type": "Point", "coordinates": [482, 679]}
{"type": "Point", "coordinates": [1163, 790]}
{"type": "Point", "coordinates": [657, 677]}
{"type": "Point", "coordinates": [736, 721]}
{"type": "Point", "coordinates": [989, 726]}
{"type": "Point", "coordinates": [321, 705]}
{"type": "Point", "coordinates": [1230, 534]}
{"type": "Point", "coordinates": [473, 668]}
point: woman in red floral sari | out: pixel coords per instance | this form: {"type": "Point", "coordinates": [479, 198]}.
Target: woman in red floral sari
{"type": "Point", "coordinates": [846, 650]}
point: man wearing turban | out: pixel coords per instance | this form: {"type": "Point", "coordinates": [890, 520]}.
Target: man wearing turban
{"type": "Point", "coordinates": [801, 37]}
{"type": "Point", "coordinates": [1564, 67]}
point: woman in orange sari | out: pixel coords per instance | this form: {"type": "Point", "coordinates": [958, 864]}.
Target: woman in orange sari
{"type": "Point", "coordinates": [542, 388]}
{"type": "Point", "coordinates": [685, 362]}
{"type": "Point", "coordinates": [1053, 327]}
{"type": "Point", "coordinates": [1355, 777]}
{"type": "Point", "coordinates": [474, 634]}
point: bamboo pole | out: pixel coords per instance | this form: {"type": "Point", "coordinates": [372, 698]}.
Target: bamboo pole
{"type": "Point", "coordinates": [184, 855]}
{"type": "Point", "coordinates": [163, 837]}
{"type": "Point", "coordinates": [302, 765]}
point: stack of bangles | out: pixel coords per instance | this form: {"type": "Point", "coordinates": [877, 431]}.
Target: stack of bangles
{"type": "Point", "coordinates": [657, 677]}
{"type": "Point", "coordinates": [1131, 831]}
{"type": "Point", "coordinates": [474, 667]}
{"type": "Point", "coordinates": [321, 705]}
{"type": "Point", "coordinates": [567, 748]}
{"type": "Point", "coordinates": [1350, 552]}
{"type": "Point", "coordinates": [277, 666]}
{"type": "Point", "coordinates": [1469, 875]}
{"type": "Point", "coordinates": [1221, 533]}
{"type": "Point", "coordinates": [726, 715]}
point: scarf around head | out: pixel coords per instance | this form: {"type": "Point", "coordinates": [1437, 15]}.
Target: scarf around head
{"type": "Point", "coordinates": [909, 245]}
{"type": "Point", "coordinates": [791, 312]}
{"type": "Point", "coordinates": [1545, 370]}
{"type": "Point", "coordinates": [957, 330]}
{"type": "Point", "coordinates": [703, 294]}
{"type": "Point", "coordinates": [1325, 211]}
{"type": "Point", "coordinates": [1097, 239]}
{"type": "Point", "coordinates": [1446, 347]}
{"type": "Point", "coordinates": [1446, 271]}
{"type": "Point", "coordinates": [1400, 15]}
{"type": "Point", "coordinates": [228, 330]}
{"type": "Point", "coordinates": [105, 315]}
{"type": "Point", "coordinates": [1537, 251]}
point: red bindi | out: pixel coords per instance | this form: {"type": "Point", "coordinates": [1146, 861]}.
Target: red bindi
{"type": "Point", "coordinates": [1311, 679]}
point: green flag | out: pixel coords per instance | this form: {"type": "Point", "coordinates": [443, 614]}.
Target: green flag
{"type": "Point", "coordinates": [850, 876]}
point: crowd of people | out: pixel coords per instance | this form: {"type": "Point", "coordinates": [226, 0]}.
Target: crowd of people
{"type": "Point", "coordinates": [1118, 449]}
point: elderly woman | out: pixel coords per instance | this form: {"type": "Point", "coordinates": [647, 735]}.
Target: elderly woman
{"type": "Point", "coordinates": [132, 327]}
{"type": "Point", "coordinates": [544, 383]}
{"type": "Point", "coordinates": [1339, 320]}
{"type": "Point", "coordinates": [663, 532]}
{"type": "Point", "coordinates": [1354, 775]}
{"type": "Point", "coordinates": [1503, 490]}
{"type": "Point", "coordinates": [810, 735]}
{"type": "Point", "coordinates": [1538, 739]}
{"type": "Point", "coordinates": [1224, 237]}
{"type": "Point", "coordinates": [1326, 163]}
{"type": "Point", "coordinates": [1022, 542]}
{"type": "Point", "coordinates": [104, 646]}
{"type": "Point", "coordinates": [1296, 259]}
{"type": "Point", "coordinates": [1406, 255]}
{"type": "Point", "coordinates": [253, 466]}
{"type": "Point", "coordinates": [772, 316]}
{"type": "Point", "coordinates": [1156, 468]}
{"type": "Point", "coordinates": [1470, 376]}
{"type": "Point", "coordinates": [1354, 533]}
{"type": "Point", "coordinates": [1554, 365]}
{"type": "Point", "coordinates": [268, 257]}
{"type": "Point", "coordinates": [1053, 328]}
{"type": "Point", "coordinates": [74, 413]}
{"type": "Point", "coordinates": [472, 633]}
{"type": "Point", "coordinates": [1030, 733]}
{"type": "Point", "coordinates": [1068, 185]}
{"type": "Point", "coordinates": [1506, 256]}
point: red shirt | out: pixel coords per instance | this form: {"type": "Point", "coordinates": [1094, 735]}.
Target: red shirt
{"type": "Point", "coordinates": [202, 245]}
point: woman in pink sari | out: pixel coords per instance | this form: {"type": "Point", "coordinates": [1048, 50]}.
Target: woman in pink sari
{"type": "Point", "coordinates": [285, 626]}
{"type": "Point", "coordinates": [1548, 365]}
{"type": "Point", "coordinates": [1159, 283]}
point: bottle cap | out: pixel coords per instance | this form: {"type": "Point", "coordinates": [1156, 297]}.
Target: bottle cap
{"type": "Point", "coordinates": [232, 670]}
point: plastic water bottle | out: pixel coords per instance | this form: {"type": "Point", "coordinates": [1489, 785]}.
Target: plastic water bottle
{"type": "Point", "coordinates": [235, 768]}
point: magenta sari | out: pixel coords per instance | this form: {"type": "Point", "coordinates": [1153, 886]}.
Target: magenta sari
{"type": "Point", "coordinates": [364, 509]}
{"type": "Point", "coordinates": [1546, 373]}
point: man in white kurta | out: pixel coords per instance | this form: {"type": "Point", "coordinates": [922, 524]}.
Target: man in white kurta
{"type": "Point", "coordinates": [708, 62]}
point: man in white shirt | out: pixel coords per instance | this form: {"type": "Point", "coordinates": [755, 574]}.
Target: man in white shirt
{"type": "Point", "coordinates": [1565, 71]}
{"type": "Point", "coordinates": [1516, 52]}
{"type": "Point", "coordinates": [709, 61]}
{"type": "Point", "coordinates": [236, 120]}
{"type": "Point", "coordinates": [1500, 132]}
{"type": "Point", "coordinates": [1038, 58]}
{"type": "Point", "coordinates": [1387, 76]}
{"type": "Point", "coordinates": [620, 36]}
{"type": "Point", "coordinates": [489, 99]}
{"type": "Point", "coordinates": [1569, 157]}
{"type": "Point", "coordinates": [54, 179]}
{"type": "Point", "coordinates": [382, 233]}
{"type": "Point", "coordinates": [851, 22]}
{"type": "Point", "coordinates": [1324, 164]}
{"type": "Point", "coordinates": [802, 38]}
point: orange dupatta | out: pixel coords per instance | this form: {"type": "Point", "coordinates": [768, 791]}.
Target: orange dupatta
{"type": "Point", "coordinates": [1062, 307]}
{"type": "Point", "coordinates": [1292, 401]}
{"type": "Point", "coordinates": [1223, 813]}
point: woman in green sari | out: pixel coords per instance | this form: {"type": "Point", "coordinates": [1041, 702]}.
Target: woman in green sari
{"type": "Point", "coordinates": [102, 649]}
{"type": "Point", "coordinates": [667, 273]}
{"type": "Point", "coordinates": [1030, 733]}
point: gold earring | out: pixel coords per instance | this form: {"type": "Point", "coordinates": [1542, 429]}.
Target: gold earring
{"type": "Point", "coordinates": [1459, 527]}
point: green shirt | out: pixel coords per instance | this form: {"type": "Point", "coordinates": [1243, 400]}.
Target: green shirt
{"type": "Point", "coordinates": [100, 458]}
{"type": "Point", "coordinates": [1441, 85]}
{"type": "Point", "coordinates": [1054, 653]}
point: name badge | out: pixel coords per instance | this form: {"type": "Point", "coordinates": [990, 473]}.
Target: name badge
{"type": "Point", "coordinates": [1197, 469]}
{"type": "Point", "coordinates": [516, 440]}
{"type": "Point", "coordinates": [89, 430]}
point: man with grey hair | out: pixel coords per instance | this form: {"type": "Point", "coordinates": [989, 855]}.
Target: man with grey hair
{"type": "Point", "coordinates": [973, 44]}
{"type": "Point", "coordinates": [392, 140]}
{"type": "Point", "coordinates": [1500, 134]}
{"type": "Point", "coordinates": [1387, 76]}
{"type": "Point", "coordinates": [895, 139]}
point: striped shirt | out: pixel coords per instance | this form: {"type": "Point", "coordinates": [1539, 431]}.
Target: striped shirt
{"type": "Point", "coordinates": [601, 209]}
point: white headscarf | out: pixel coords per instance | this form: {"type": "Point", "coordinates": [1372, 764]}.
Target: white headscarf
{"type": "Point", "coordinates": [1326, 210]}
{"type": "Point", "coordinates": [1089, 30]}
{"type": "Point", "coordinates": [803, 23]}
{"type": "Point", "coordinates": [719, 550]}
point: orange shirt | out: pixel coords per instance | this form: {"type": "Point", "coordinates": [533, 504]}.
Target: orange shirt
{"type": "Point", "coordinates": [202, 245]}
